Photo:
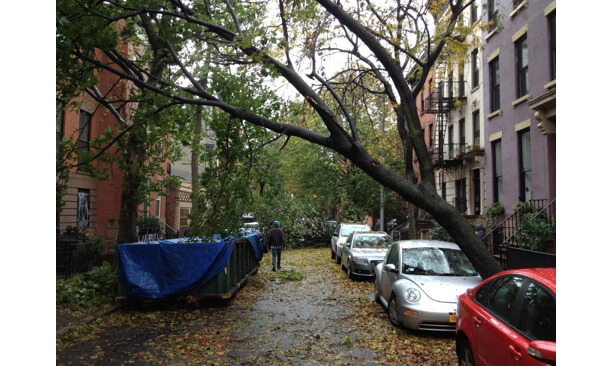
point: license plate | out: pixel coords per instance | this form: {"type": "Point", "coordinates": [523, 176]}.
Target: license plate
{"type": "Point", "coordinates": [452, 318]}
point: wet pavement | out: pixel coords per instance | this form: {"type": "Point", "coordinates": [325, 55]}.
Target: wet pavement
{"type": "Point", "coordinates": [308, 313]}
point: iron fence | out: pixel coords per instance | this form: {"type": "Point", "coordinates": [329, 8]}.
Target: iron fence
{"type": "Point", "coordinates": [76, 256]}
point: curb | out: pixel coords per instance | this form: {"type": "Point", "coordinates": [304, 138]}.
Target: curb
{"type": "Point", "coordinates": [88, 319]}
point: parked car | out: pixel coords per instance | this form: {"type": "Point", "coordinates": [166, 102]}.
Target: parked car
{"type": "Point", "coordinates": [363, 251]}
{"type": "Point", "coordinates": [251, 227]}
{"type": "Point", "coordinates": [341, 234]}
{"type": "Point", "coordinates": [509, 318]}
{"type": "Point", "coordinates": [419, 283]}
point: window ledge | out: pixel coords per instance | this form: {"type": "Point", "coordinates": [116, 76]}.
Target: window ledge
{"type": "Point", "coordinates": [494, 114]}
{"type": "Point", "coordinates": [475, 88]}
{"type": "Point", "coordinates": [521, 100]}
{"type": "Point", "coordinates": [551, 84]}
{"type": "Point", "coordinates": [492, 33]}
{"type": "Point", "coordinates": [518, 9]}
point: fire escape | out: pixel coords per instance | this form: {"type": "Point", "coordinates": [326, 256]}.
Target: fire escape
{"type": "Point", "coordinates": [446, 96]}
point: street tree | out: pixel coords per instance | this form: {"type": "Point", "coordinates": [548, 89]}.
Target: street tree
{"type": "Point", "coordinates": [306, 45]}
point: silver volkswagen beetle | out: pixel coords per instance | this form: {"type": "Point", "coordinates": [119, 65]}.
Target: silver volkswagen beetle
{"type": "Point", "coordinates": [420, 281]}
{"type": "Point", "coordinates": [363, 251]}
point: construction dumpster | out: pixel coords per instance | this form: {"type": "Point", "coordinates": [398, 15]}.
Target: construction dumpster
{"type": "Point", "coordinates": [193, 270]}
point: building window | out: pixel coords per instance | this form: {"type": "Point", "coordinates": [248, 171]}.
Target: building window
{"type": "Point", "coordinates": [476, 127]}
{"type": "Point", "coordinates": [422, 102]}
{"type": "Point", "coordinates": [84, 137]}
{"type": "Point", "coordinates": [495, 87]}
{"type": "Point", "coordinates": [83, 209]}
{"type": "Point", "coordinates": [475, 68]}
{"type": "Point", "coordinates": [493, 11]}
{"type": "Point", "coordinates": [522, 64]}
{"type": "Point", "coordinates": [498, 186]}
{"type": "Point", "coordinates": [461, 78]}
{"type": "Point", "coordinates": [451, 141]}
{"type": "Point", "coordinates": [462, 135]}
{"type": "Point", "coordinates": [525, 165]}
{"type": "Point", "coordinates": [184, 219]}
{"type": "Point", "coordinates": [59, 123]}
{"type": "Point", "coordinates": [158, 206]}
{"type": "Point", "coordinates": [473, 13]}
{"type": "Point", "coordinates": [552, 29]}
{"type": "Point", "coordinates": [209, 147]}
{"type": "Point", "coordinates": [516, 3]}
{"type": "Point", "coordinates": [460, 195]}
{"type": "Point", "coordinates": [476, 185]}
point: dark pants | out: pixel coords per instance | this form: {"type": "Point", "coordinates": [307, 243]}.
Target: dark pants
{"type": "Point", "coordinates": [276, 258]}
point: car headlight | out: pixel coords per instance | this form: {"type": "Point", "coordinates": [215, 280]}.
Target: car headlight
{"type": "Point", "coordinates": [412, 295]}
{"type": "Point", "coordinates": [360, 260]}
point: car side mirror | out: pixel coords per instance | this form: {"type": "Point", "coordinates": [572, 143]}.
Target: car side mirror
{"type": "Point", "coordinates": [334, 234]}
{"type": "Point", "coordinates": [543, 351]}
{"type": "Point", "coordinates": [390, 267]}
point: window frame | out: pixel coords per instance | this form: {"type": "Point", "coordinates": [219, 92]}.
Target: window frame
{"type": "Point", "coordinates": [522, 71]}
{"type": "Point", "coordinates": [473, 13]}
{"type": "Point", "coordinates": [475, 68]}
{"type": "Point", "coordinates": [83, 143]}
{"type": "Point", "coordinates": [492, 12]}
{"type": "Point", "coordinates": [462, 143]}
{"type": "Point", "coordinates": [522, 170]}
{"type": "Point", "coordinates": [476, 127]}
{"type": "Point", "coordinates": [497, 179]}
{"type": "Point", "coordinates": [552, 46]}
{"type": "Point", "coordinates": [87, 193]}
{"type": "Point", "coordinates": [495, 82]}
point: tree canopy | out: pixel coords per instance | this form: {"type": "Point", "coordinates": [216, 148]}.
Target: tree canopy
{"type": "Point", "coordinates": [325, 51]}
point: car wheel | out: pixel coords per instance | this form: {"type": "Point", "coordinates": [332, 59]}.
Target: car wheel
{"type": "Point", "coordinates": [337, 259]}
{"type": "Point", "coordinates": [333, 255]}
{"type": "Point", "coordinates": [394, 312]}
{"type": "Point", "coordinates": [466, 357]}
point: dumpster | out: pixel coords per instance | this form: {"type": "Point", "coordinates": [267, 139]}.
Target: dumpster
{"type": "Point", "coordinates": [194, 270]}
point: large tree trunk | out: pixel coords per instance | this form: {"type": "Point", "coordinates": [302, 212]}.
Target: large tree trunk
{"type": "Point", "coordinates": [135, 157]}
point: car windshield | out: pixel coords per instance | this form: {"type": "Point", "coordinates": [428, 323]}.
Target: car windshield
{"type": "Point", "coordinates": [347, 230]}
{"type": "Point", "coordinates": [372, 241]}
{"type": "Point", "coordinates": [436, 262]}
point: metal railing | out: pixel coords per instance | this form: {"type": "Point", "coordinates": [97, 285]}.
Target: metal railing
{"type": "Point", "coordinates": [75, 256]}
{"type": "Point", "coordinates": [443, 98]}
{"type": "Point", "coordinates": [507, 228]}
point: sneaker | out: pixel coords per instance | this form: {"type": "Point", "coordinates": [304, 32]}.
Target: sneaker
{"type": "Point", "coordinates": [273, 269]}
{"type": "Point", "coordinates": [279, 267]}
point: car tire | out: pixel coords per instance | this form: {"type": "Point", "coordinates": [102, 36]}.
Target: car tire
{"type": "Point", "coordinates": [466, 356]}
{"type": "Point", "coordinates": [337, 259]}
{"type": "Point", "coordinates": [393, 312]}
{"type": "Point", "coordinates": [333, 255]}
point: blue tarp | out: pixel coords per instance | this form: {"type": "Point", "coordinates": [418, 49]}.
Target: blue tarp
{"type": "Point", "coordinates": [169, 267]}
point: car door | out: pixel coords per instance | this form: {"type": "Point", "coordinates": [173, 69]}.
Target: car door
{"type": "Point", "coordinates": [536, 322]}
{"type": "Point", "coordinates": [388, 277]}
{"type": "Point", "coordinates": [491, 322]}
{"type": "Point", "coordinates": [334, 239]}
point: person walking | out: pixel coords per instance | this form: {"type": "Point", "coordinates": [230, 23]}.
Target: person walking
{"type": "Point", "coordinates": [276, 239]}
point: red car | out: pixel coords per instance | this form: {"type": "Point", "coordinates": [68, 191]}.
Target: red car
{"type": "Point", "coordinates": [509, 319]}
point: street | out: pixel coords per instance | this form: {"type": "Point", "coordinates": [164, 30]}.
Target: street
{"type": "Point", "coordinates": [308, 313]}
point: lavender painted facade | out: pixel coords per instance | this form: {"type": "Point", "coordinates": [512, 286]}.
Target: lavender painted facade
{"type": "Point", "coordinates": [517, 113]}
